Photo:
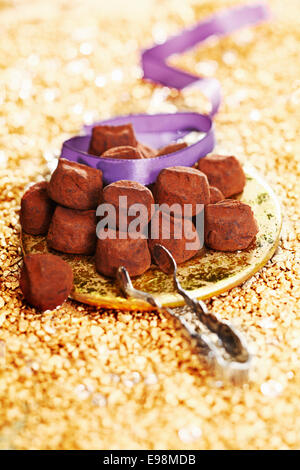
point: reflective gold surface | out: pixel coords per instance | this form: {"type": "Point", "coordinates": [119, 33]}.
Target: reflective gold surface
{"type": "Point", "coordinates": [208, 274]}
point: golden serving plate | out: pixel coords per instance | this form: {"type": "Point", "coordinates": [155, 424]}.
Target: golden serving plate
{"type": "Point", "coordinates": [208, 274]}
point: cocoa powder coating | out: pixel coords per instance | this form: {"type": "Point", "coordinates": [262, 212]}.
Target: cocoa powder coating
{"type": "Point", "coordinates": [106, 137]}
{"type": "Point", "coordinates": [229, 225]}
{"type": "Point", "coordinates": [177, 235]}
{"type": "Point", "coordinates": [224, 172]}
{"type": "Point", "coordinates": [113, 251]}
{"type": "Point", "coordinates": [75, 185]}
{"type": "Point", "coordinates": [135, 193]}
{"type": "Point", "coordinates": [123, 152]}
{"type": "Point", "coordinates": [215, 195]}
{"type": "Point", "coordinates": [171, 148]}
{"type": "Point", "coordinates": [73, 231]}
{"type": "Point", "coordinates": [36, 209]}
{"type": "Point", "coordinates": [182, 185]}
{"type": "Point", "coordinates": [46, 280]}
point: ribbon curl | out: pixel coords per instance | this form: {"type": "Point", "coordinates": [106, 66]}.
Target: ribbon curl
{"type": "Point", "coordinates": [159, 129]}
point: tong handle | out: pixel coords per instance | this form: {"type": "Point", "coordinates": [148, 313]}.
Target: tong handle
{"type": "Point", "coordinates": [201, 341]}
{"type": "Point", "coordinates": [236, 371]}
{"type": "Point", "coordinates": [231, 340]}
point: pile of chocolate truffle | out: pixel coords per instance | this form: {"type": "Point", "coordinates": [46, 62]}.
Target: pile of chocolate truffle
{"type": "Point", "coordinates": [65, 208]}
{"type": "Point", "coordinates": [120, 142]}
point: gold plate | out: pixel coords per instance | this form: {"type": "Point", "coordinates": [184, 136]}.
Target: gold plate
{"type": "Point", "coordinates": [208, 274]}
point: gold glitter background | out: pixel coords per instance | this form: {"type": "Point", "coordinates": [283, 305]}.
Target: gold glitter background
{"type": "Point", "coordinates": [80, 377]}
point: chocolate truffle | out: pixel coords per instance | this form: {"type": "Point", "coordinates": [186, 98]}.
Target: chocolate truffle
{"type": "Point", "coordinates": [146, 150]}
{"type": "Point", "coordinates": [224, 172]}
{"type": "Point", "coordinates": [229, 225]}
{"type": "Point", "coordinates": [136, 193]}
{"type": "Point", "coordinates": [73, 231]}
{"type": "Point", "coordinates": [123, 152]}
{"type": "Point", "coordinates": [171, 148]}
{"type": "Point", "coordinates": [175, 234]}
{"type": "Point", "coordinates": [46, 280]}
{"type": "Point", "coordinates": [182, 185]}
{"type": "Point", "coordinates": [113, 251]}
{"type": "Point", "coordinates": [36, 209]}
{"type": "Point", "coordinates": [106, 137]}
{"type": "Point", "coordinates": [75, 186]}
{"type": "Point", "coordinates": [215, 195]}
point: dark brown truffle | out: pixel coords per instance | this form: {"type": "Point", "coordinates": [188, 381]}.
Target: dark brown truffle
{"type": "Point", "coordinates": [136, 193]}
{"type": "Point", "coordinates": [182, 185]}
{"type": "Point", "coordinates": [215, 195]}
{"type": "Point", "coordinates": [224, 172]}
{"type": "Point", "coordinates": [229, 225]}
{"type": "Point", "coordinates": [123, 152]}
{"type": "Point", "coordinates": [171, 148]}
{"type": "Point", "coordinates": [46, 280]}
{"type": "Point", "coordinates": [75, 186]}
{"type": "Point", "coordinates": [73, 231]}
{"type": "Point", "coordinates": [36, 209]}
{"type": "Point", "coordinates": [106, 137]}
{"type": "Point", "coordinates": [181, 239]}
{"type": "Point", "coordinates": [114, 251]}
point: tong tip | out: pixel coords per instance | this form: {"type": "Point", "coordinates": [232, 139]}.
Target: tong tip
{"type": "Point", "coordinates": [164, 259]}
{"type": "Point", "coordinates": [123, 279]}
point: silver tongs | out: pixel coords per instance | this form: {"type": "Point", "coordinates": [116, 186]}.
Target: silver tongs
{"type": "Point", "coordinates": [235, 367]}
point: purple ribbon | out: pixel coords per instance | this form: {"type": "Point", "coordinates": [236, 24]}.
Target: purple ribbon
{"type": "Point", "coordinates": [155, 130]}
{"type": "Point", "coordinates": [160, 129]}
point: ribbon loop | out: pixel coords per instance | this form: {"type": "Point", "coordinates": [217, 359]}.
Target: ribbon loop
{"type": "Point", "coordinates": [159, 129]}
{"type": "Point", "coordinates": [154, 59]}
